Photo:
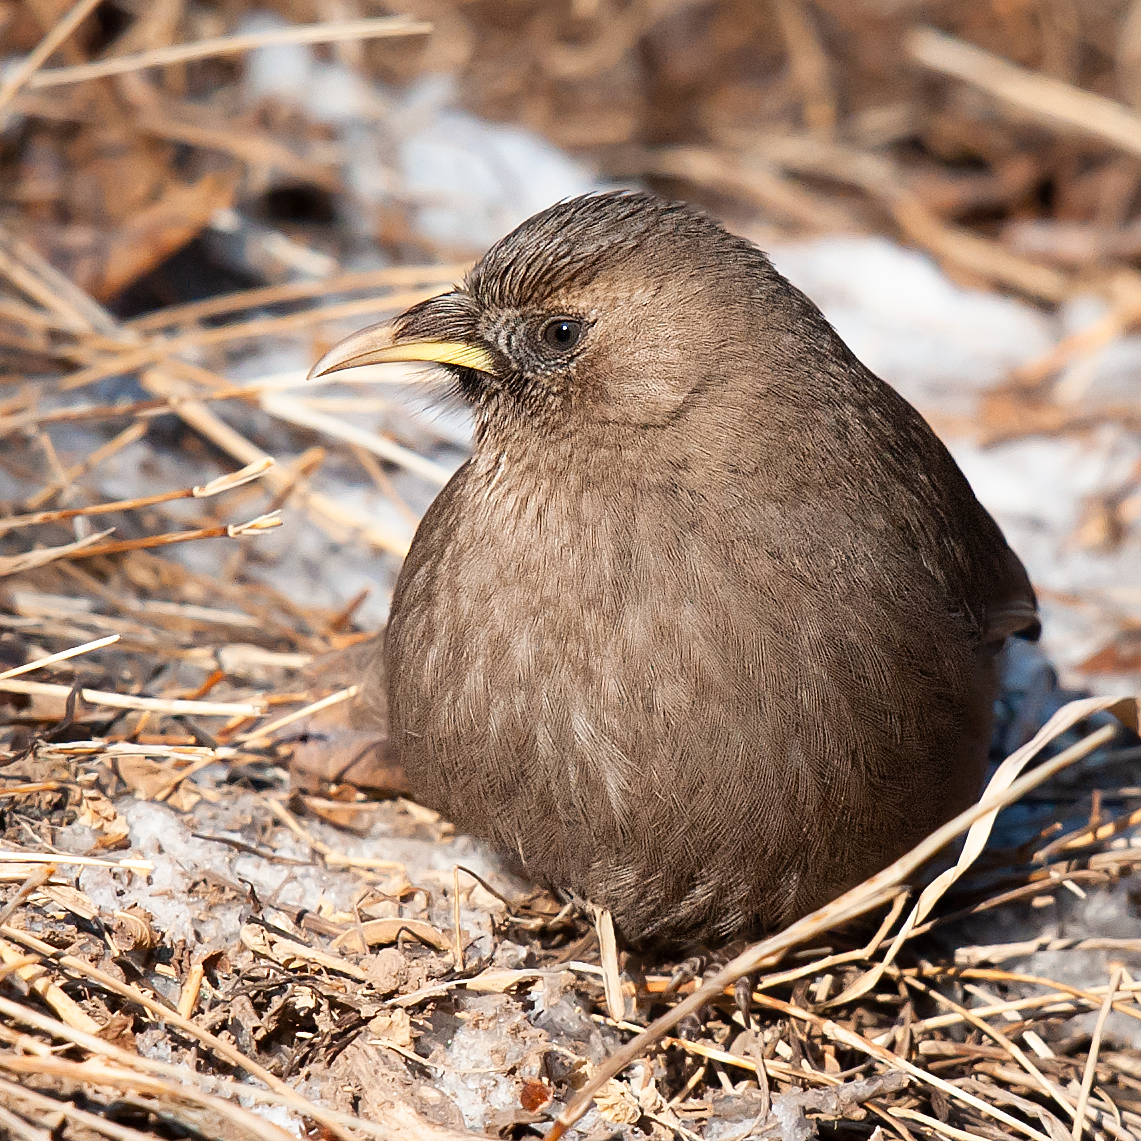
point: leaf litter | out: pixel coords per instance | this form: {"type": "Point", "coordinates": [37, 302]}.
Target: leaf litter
{"type": "Point", "coordinates": [221, 914]}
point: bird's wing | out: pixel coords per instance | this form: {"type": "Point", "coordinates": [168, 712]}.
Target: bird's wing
{"type": "Point", "coordinates": [1012, 609]}
{"type": "Point", "coordinates": [1017, 617]}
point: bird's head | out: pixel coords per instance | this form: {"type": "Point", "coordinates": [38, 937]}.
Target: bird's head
{"type": "Point", "coordinates": [609, 308]}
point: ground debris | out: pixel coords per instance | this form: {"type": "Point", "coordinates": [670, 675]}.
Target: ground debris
{"type": "Point", "coordinates": [217, 915]}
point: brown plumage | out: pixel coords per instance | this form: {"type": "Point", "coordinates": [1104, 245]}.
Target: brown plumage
{"type": "Point", "coordinates": [705, 630]}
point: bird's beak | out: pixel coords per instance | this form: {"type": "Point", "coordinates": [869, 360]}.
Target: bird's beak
{"type": "Point", "coordinates": [381, 344]}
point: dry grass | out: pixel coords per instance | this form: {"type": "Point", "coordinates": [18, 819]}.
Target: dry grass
{"type": "Point", "coordinates": [189, 690]}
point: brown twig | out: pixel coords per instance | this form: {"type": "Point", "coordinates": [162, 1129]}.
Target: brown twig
{"type": "Point", "coordinates": [217, 486]}
{"type": "Point", "coordinates": [859, 900]}
{"type": "Point", "coordinates": [427, 276]}
{"type": "Point", "coordinates": [87, 548]}
{"type": "Point", "coordinates": [62, 656]}
{"type": "Point", "coordinates": [1042, 96]}
{"type": "Point", "coordinates": [25, 70]}
{"type": "Point", "coordinates": [130, 1061]}
{"type": "Point", "coordinates": [1094, 1046]}
{"type": "Point", "coordinates": [332, 32]}
{"type": "Point", "coordinates": [1012, 1048]}
{"type": "Point", "coordinates": [175, 706]}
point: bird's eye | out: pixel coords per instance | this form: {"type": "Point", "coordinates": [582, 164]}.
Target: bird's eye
{"type": "Point", "coordinates": [561, 334]}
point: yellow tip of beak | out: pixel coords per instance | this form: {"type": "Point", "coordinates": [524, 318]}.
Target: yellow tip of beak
{"type": "Point", "coordinates": [376, 345]}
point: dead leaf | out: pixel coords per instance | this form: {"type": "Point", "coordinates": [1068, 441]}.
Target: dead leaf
{"type": "Point", "coordinates": [158, 781]}
{"type": "Point", "coordinates": [353, 816]}
{"type": "Point", "coordinates": [393, 1026]}
{"type": "Point", "coordinates": [290, 953]}
{"type": "Point", "coordinates": [97, 812]}
{"type": "Point", "coordinates": [1120, 656]}
{"type": "Point", "coordinates": [499, 982]}
{"type": "Point", "coordinates": [132, 930]}
{"type": "Point", "coordinates": [72, 899]}
{"type": "Point", "coordinates": [535, 1096]}
{"type": "Point", "coordinates": [381, 931]}
{"type": "Point", "coordinates": [616, 1103]}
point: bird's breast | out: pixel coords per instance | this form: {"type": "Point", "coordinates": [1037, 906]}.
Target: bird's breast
{"type": "Point", "coordinates": [568, 621]}
{"type": "Point", "coordinates": [599, 663]}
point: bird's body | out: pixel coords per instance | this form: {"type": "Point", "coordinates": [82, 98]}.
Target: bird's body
{"type": "Point", "coordinates": [706, 629]}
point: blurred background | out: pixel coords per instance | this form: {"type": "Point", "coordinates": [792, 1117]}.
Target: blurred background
{"type": "Point", "coordinates": [956, 184]}
{"type": "Point", "coordinates": [197, 199]}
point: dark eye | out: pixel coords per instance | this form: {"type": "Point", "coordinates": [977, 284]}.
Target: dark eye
{"type": "Point", "coordinates": [562, 334]}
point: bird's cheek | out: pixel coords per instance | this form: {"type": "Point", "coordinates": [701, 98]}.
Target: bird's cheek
{"type": "Point", "coordinates": [637, 396]}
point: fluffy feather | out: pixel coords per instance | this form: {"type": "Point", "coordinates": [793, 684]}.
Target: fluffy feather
{"type": "Point", "coordinates": [705, 630]}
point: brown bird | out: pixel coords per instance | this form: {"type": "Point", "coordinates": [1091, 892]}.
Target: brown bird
{"type": "Point", "coordinates": [705, 631]}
